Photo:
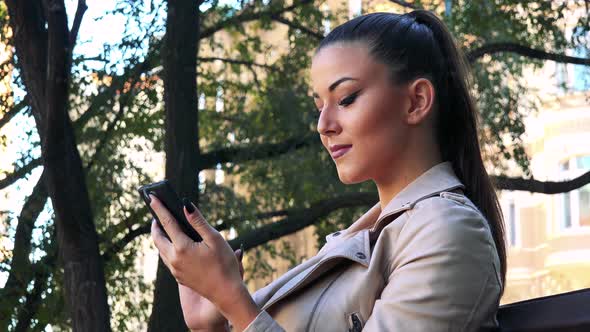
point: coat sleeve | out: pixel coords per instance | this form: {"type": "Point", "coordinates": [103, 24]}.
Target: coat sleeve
{"type": "Point", "coordinates": [443, 273]}
{"type": "Point", "coordinates": [263, 323]}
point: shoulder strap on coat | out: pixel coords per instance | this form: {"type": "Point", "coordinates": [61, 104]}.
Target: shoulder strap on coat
{"type": "Point", "coordinates": [374, 234]}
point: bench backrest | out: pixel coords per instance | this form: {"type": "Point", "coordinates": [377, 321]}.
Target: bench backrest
{"type": "Point", "coordinates": [567, 312]}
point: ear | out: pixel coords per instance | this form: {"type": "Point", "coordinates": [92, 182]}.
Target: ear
{"type": "Point", "coordinates": [421, 95]}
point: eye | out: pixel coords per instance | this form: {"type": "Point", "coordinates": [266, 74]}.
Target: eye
{"type": "Point", "coordinates": [350, 99]}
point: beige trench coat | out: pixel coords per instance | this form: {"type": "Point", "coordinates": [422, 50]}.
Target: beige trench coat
{"type": "Point", "coordinates": [427, 262]}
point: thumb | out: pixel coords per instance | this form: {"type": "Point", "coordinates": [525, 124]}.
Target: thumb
{"type": "Point", "coordinates": [196, 219]}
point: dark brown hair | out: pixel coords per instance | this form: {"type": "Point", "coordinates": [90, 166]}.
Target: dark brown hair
{"type": "Point", "coordinates": [418, 44]}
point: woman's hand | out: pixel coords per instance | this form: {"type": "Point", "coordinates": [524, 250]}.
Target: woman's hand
{"type": "Point", "coordinates": [209, 267]}
{"type": "Point", "coordinates": [199, 313]}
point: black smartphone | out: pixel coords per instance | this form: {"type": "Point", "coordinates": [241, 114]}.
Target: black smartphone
{"type": "Point", "coordinates": [166, 194]}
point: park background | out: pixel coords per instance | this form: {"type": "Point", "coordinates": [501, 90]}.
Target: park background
{"type": "Point", "coordinates": [214, 95]}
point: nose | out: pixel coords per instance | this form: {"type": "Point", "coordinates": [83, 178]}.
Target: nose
{"type": "Point", "coordinates": [328, 123]}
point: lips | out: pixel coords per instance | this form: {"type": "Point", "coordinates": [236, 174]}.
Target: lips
{"type": "Point", "coordinates": [339, 150]}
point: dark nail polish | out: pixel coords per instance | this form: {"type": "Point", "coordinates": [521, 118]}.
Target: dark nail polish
{"type": "Point", "coordinates": [241, 251]}
{"type": "Point", "coordinates": [190, 207]}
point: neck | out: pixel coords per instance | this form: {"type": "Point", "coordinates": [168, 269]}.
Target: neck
{"type": "Point", "coordinates": [400, 176]}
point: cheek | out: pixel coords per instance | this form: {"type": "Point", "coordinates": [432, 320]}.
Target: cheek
{"type": "Point", "coordinates": [377, 122]}
{"type": "Point", "coordinates": [383, 135]}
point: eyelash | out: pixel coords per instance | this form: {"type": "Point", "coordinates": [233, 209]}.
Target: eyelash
{"type": "Point", "coordinates": [348, 100]}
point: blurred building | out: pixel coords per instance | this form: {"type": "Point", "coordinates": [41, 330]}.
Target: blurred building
{"type": "Point", "coordinates": [548, 235]}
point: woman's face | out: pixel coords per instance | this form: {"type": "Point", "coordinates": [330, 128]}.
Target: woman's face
{"type": "Point", "coordinates": [360, 108]}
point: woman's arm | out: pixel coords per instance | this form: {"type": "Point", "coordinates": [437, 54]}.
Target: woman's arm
{"type": "Point", "coordinates": [264, 323]}
{"type": "Point", "coordinates": [443, 276]}
{"type": "Point", "coordinates": [240, 309]}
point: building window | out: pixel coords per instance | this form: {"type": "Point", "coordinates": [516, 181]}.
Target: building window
{"type": "Point", "coordinates": [581, 72]}
{"type": "Point", "coordinates": [574, 206]}
{"type": "Point", "coordinates": [511, 219]}
{"type": "Point", "coordinates": [570, 76]}
{"type": "Point", "coordinates": [512, 223]}
{"type": "Point", "coordinates": [566, 211]}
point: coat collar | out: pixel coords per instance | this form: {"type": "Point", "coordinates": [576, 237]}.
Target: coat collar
{"type": "Point", "coordinates": [435, 180]}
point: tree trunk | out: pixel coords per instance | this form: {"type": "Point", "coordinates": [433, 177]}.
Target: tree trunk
{"type": "Point", "coordinates": [42, 43]}
{"type": "Point", "coordinates": [179, 54]}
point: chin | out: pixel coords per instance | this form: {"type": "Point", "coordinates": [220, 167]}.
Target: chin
{"type": "Point", "coordinates": [350, 177]}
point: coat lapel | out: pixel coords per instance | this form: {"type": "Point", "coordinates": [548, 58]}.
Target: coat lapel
{"type": "Point", "coordinates": [353, 245]}
{"type": "Point", "coordinates": [354, 249]}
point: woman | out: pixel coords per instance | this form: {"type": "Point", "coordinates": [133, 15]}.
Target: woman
{"type": "Point", "coordinates": [394, 108]}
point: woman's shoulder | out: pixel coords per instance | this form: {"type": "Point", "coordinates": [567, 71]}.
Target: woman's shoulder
{"type": "Point", "coordinates": [450, 215]}
{"type": "Point", "coordinates": [448, 225]}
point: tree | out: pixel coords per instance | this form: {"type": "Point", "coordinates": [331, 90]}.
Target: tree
{"type": "Point", "coordinates": [179, 61]}
{"type": "Point", "coordinates": [44, 55]}
{"type": "Point", "coordinates": [121, 115]}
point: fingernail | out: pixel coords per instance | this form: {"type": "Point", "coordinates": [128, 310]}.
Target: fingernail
{"type": "Point", "coordinates": [150, 194]}
{"type": "Point", "coordinates": [241, 251]}
{"type": "Point", "coordinates": [190, 207]}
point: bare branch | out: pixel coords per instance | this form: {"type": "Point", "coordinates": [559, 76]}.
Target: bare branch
{"type": "Point", "coordinates": [238, 62]}
{"type": "Point", "coordinates": [131, 75]}
{"type": "Point", "coordinates": [298, 26]}
{"type": "Point", "coordinates": [116, 246]}
{"type": "Point", "coordinates": [107, 134]}
{"type": "Point", "coordinates": [247, 16]}
{"type": "Point", "coordinates": [297, 219]}
{"type": "Point", "coordinates": [255, 152]}
{"type": "Point", "coordinates": [77, 21]}
{"type": "Point", "coordinates": [19, 173]}
{"type": "Point", "coordinates": [543, 187]}
{"type": "Point", "coordinates": [12, 112]}
{"type": "Point", "coordinates": [405, 4]}
{"type": "Point", "coordinates": [526, 51]}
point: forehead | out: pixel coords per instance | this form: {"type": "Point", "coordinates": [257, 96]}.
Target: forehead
{"type": "Point", "coordinates": [343, 60]}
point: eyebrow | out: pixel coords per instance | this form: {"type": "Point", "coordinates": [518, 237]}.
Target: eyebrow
{"type": "Point", "coordinates": [335, 84]}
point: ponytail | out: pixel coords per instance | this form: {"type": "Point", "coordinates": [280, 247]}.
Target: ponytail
{"type": "Point", "coordinates": [457, 132]}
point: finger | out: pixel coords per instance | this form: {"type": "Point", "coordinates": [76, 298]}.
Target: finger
{"type": "Point", "coordinates": [239, 255]}
{"type": "Point", "coordinates": [162, 243]}
{"type": "Point", "coordinates": [168, 222]}
{"type": "Point", "coordinates": [196, 219]}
